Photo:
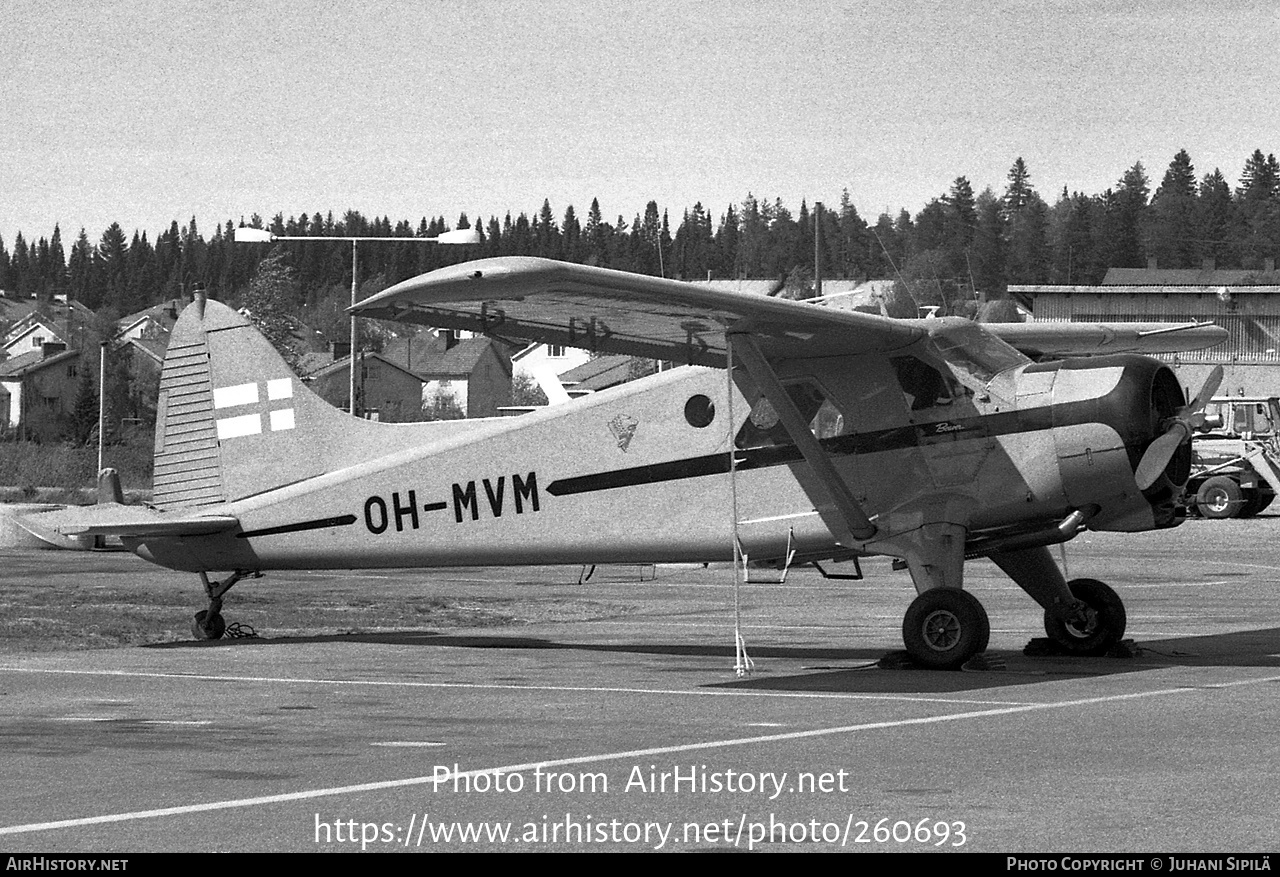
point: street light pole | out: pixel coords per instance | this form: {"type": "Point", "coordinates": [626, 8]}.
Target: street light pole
{"type": "Point", "coordinates": [355, 288]}
{"type": "Point", "coordinates": [457, 237]}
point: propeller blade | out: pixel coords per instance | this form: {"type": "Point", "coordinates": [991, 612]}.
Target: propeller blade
{"type": "Point", "coordinates": [1210, 387]}
{"type": "Point", "coordinates": [1159, 453]}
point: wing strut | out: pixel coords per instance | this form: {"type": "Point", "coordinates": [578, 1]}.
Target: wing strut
{"type": "Point", "coordinates": [852, 524]}
{"type": "Point", "coordinates": [742, 664]}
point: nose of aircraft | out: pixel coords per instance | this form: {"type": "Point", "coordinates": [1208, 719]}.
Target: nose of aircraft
{"type": "Point", "coordinates": [1165, 450]}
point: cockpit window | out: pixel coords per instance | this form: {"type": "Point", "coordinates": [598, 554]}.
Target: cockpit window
{"type": "Point", "coordinates": [971, 351]}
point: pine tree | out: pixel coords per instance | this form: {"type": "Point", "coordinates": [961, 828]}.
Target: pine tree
{"type": "Point", "coordinates": [80, 268]}
{"type": "Point", "coordinates": [83, 428]}
{"type": "Point", "coordinates": [1126, 213]}
{"type": "Point", "coordinates": [1171, 231]}
{"type": "Point", "coordinates": [111, 271]}
{"type": "Point", "coordinates": [571, 236]}
{"type": "Point", "coordinates": [56, 271]}
{"type": "Point", "coordinates": [1218, 220]}
{"type": "Point", "coordinates": [1028, 234]}
{"type": "Point", "coordinates": [987, 261]}
{"type": "Point", "coordinates": [1019, 191]}
{"type": "Point", "coordinates": [595, 235]}
{"type": "Point", "coordinates": [724, 261]}
{"type": "Point", "coordinates": [546, 234]}
{"type": "Point", "coordinates": [6, 275]}
{"type": "Point", "coordinates": [852, 251]}
{"type": "Point", "coordinates": [1260, 179]}
{"type": "Point", "coordinates": [960, 224]}
{"type": "Point", "coordinates": [1259, 196]}
{"type": "Point", "coordinates": [20, 266]}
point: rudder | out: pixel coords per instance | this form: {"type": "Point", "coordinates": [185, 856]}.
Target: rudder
{"type": "Point", "coordinates": [233, 420]}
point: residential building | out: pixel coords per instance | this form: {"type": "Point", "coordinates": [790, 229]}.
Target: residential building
{"type": "Point", "coordinates": [384, 389]}
{"type": "Point", "coordinates": [473, 373]}
{"type": "Point", "coordinates": [40, 391]}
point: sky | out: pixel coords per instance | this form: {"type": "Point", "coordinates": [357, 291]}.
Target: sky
{"type": "Point", "coordinates": [144, 112]}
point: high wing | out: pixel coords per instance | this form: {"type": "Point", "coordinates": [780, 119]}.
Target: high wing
{"type": "Point", "coordinates": [1059, 339]}
{"type": "Point", "coordinates": [619, 312]}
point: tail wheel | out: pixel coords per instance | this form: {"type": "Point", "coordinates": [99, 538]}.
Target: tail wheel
{"type": "Point", "coordinates": [1220, 497]}
{"type": "Point", "coordinates": [944, 627]}
{"type": "Point", "coordinates": [1106, 624]}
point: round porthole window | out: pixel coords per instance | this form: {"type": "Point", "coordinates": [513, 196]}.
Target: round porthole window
{"type": "Point", "coordinates": [699, 411]}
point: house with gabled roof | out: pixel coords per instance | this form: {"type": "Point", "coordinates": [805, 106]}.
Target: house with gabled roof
{"type": "Point", "coordinates": [384, 389]}
{"type": "Point", "coordinates": [40, 391]}
{"type": "Point", "coordinates": [475, 373]}
{"type": "Point", "coordinates": [56, 322]}
{"type": "Point", "coordinates": [153, 322]}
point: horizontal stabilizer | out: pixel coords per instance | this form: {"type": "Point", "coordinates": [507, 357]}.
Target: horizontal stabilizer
{"type": "Point", "coordinates": [113, 519]}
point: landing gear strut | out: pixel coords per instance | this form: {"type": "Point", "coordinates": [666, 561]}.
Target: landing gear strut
{"type": "Point", "coordinates": [944, 627]}
{"type": "Point", "coordinates": [209, 624]}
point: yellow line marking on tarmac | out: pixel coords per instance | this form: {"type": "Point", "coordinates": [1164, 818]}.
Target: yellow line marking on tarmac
{"type": "Point", "coordinates": [408, 782]}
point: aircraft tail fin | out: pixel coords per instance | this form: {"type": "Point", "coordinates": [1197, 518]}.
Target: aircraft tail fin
{"type": "Point", "coordinates": [233, 419]}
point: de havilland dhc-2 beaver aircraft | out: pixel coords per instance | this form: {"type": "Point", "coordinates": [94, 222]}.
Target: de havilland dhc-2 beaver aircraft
{"type": "Point", "coordinates": [796, 432]}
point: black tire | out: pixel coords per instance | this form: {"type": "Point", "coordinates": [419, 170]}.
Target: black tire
{"type": "Point", "coordinates": [208, 627]}
{"type": "Point", "coordinates": [1252, 503]}
{"type": "Point", "coordinates": [1220, 497]}
{"type": "Point", "coordinates": [1107, 628]}
{"type": "Point", "coordinates": [1255, 500]}
{"type": "Point", "coordinates": [944, 627]}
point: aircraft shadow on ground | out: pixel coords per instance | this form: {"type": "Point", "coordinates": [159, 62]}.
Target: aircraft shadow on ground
{"type": "Point", "coordinates": [857, 670]}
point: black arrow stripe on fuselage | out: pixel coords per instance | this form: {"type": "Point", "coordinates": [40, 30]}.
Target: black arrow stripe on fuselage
{"type": "Point", "coordinates": [318, 524]}
{"type": "Point", "coordinates": [915, 435]}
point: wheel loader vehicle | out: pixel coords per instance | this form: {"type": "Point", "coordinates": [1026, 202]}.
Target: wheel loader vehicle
{"type": "Point", "coordinates": [1235, 457]}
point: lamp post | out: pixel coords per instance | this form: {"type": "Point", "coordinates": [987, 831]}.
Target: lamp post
{"type": "Point", "coordinates": [457, 237]}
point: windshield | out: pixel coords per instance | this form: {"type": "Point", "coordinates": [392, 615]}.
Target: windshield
{"type": "Point", "coordinates": [973, 355]}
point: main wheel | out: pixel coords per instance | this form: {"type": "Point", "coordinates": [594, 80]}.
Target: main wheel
{"type": "Point", "coordinates": [206, 626]}
{"type": "Point", "coordinates": [1220, 497]}
{"type": "Point", "coordinates": [944, 627]}
{"type": "Point", "coordinates": [1104, 631]}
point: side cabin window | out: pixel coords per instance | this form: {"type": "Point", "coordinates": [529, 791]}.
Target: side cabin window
{"type": "Point", "coordinates": [764, 427]}
{"type": "Point", "coordinates": [930, 392]}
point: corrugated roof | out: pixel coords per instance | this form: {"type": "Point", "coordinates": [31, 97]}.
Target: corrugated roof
{"type": "Point", "coordinates": [1172, 289]}
{"type": "Point", "coordinates": [1176, 276]}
